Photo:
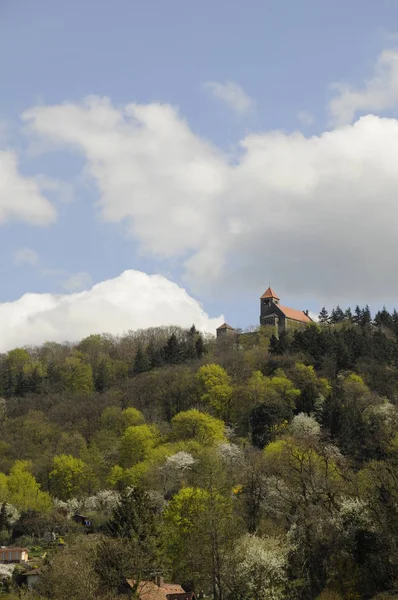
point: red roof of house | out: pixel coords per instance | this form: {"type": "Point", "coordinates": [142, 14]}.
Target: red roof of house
{"type": "Point", "coordinates": [226, 326]}
{"type": "Point", "coordinates": [269, 293]}
{"type": "Point", "coordinates": [296, 315]}
{"type": "Point", "coordinates": [148, 590]}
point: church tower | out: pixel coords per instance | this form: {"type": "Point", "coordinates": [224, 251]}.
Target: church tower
{"type": "Point", "coordinates": [267, 301]}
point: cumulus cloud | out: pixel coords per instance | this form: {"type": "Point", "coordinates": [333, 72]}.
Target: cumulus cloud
{"type": "Point", "coordinates": [232, 94]}
{"type": "Point", "coordinates": [25, 256]}
{"type": "Point", "coordinates": [20, 197]}
{"type": "Point", "coordinates": [315, 215]}
{"type": "Point", "coordinates": [77, 281]}
{"type": "Point", "coordinates": [133, 300]}
{"type": "Point", "coordinates": [377, 94]}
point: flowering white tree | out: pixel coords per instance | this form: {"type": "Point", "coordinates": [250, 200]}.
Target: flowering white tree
{"type": "Point", "coordinates": [230, 453]}
{"type": "Point", "coordinates": [6, 572]}
{"type": "Point", "coordinates": [13, 513]}
{"type": "Point", "coordinates": [175, 467]}
{"type": "Point", "coordinates": [179, 462]}
{"type": "Point", "coordinates": [104, 501]}
{"type": "Point", "coordinates": [71, 506]}
{"type": "Point", "coordinates": [262, 566]}
{"type": "Point", "coordinates": [305, 428]}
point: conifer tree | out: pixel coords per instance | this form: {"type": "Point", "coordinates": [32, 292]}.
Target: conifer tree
{"type": "Point", "coordinates": [136, 521]}
{"type": "Point", "coordinates": [172, 350]}
{"type": "Point", "coordinates": [141, 363]}
{"type": "Point", "coordinates": [357, 315]}
{"type": "Point", "coordinates": [154, 355]}
{"type": "Point", "coordinates": [200, 346]}
{"type": "Point", "coordinates": [366, 317]}
{"type": "Point", "coordinates": [190, 345]}
{"type": "Point", "coordinates": [337, 315]}
{"type": "Point", "coordinates": [323, 316]}
{"type": "Point", "coordinates": [4, 523]}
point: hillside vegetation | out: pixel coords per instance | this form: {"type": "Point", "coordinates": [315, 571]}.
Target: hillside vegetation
{"type": "Point", "coordinates": [246, 468]}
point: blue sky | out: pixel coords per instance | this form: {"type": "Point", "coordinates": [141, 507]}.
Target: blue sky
{"type": "Point", "coordinates": [282, 57]}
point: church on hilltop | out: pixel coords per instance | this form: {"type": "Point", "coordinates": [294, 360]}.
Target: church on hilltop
{"type": "Point", "coordinates": [273, 314]}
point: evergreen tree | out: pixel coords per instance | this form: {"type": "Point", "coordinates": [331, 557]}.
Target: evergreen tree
{"type": "Point", "coordinates": [366, 318]}
{"type": "Point", "coordinates": [323, 316]}
{"type": "Point", "coordinates": [172, 350]}
{"type": "Point", "coordinates": [141, 363]}
{"type": "Point", "coordinates": [190, 345]}
{"type": "Point", "coordinates": [348, 315]}
{"type": "Point", "coordinates": [357, 315]}
{"type": "Point", "coordinates": [53, 376]}
{"type": "Point", "coordinates": [200, 346]}
{"type": "Point", "coordinates": [337, 315]}
{"type": "Point", "coordinates": [135, 520]}
{"type": "Point", "coordinates": [103, 375]}
{"type": "Point", "coordinates": [383, 318]}
{"type": "Point", "coordinates": [279, 345]}
{"type": "Point", "coordinates": [155, 356]}
{"type": "Point", "coordinates": [8, 386]}
{"type": "Point", "coordinates": [4, 523]}
{"type": "Point", "coordinates": [34, 383]}
{"type": "Point", "coordinates": [21, 384]}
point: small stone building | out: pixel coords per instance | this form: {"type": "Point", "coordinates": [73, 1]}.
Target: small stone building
{"type": "Point", "coordinates": [225, 330]}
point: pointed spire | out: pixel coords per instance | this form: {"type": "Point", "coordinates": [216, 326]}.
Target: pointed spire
{"type": "Point", "coordinates": [269, 293]}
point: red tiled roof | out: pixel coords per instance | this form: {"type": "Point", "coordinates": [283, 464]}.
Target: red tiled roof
{"type": "Point", "coordinates": [172, 588]}
{"type": "Point", "coordinates": [226, 326]}
{"type": "Point", "coordinates": [296, 315]}
{"type": "Point", "coordinates": [269, 293]}
{"type": "Point", "coordinates": [148, 590]}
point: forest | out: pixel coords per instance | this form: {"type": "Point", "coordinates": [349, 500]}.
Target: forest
{"type": "Point", "coordinates": [249, 467]}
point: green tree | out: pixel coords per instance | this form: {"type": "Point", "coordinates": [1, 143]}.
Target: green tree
{"type": "Point", "coordinates": [205, 516]}
{"type": "Point", "coordinates": [77, 375]}
{"type": "Point", "coordinates": [135, 520]}
{"type": "Point", "coordinates": [172, 351]}
{"type": "Point", "coordinates": [141, 362]}
{"type": "Point", "coordinates": [69, 477]}
{"type": "Point", "coordinates": [24, 491]}
{"type": "Point", "coordinates": [217, 389]}
{"type": "Point", "coordinates": [136, 443]}
{"type": "Point", "coordinates": [323, 316]}
{"type": "Point", "coordinates": [195, 425]}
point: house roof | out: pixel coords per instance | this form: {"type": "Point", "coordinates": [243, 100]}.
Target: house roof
{"type": "Point", "coordinates": [148, 590]}
{"type": "Point", "coordinates": [269, 293]}
{"type": "Point", "coordinates": [12, 549]}
{"type": "Point", "coordinates": [226, 326]}
{"type": "Point", "coordinates": [296, 315]}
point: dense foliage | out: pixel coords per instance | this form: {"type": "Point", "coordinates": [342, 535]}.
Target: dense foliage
{"type": "Point", "coordinates": [245, 468]}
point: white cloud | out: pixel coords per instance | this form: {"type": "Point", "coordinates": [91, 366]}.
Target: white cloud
{"type": "Point", "coordinates": [20, 197]}
{"type": "Point", "coordinates": [77, 281]}
{"type": "Point", "coordinates": [25, 256]}
{"type": "Point", "coordinates": [232, 94]}
{"type": "Point", "coordinates": [317, 216]}
{"type": "Point", "coordinates": [134, 300]}
{"type": "Point", "coordinates": [377, 94]}
{"type": "Point", "coordinates": [305, 117]}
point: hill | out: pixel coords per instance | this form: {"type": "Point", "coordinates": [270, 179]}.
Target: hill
{"type": "Point", "coordinates": [244, 468]}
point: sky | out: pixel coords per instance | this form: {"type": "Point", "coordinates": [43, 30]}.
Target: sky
{"type": "Point", "coordinates": [164, 162]}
